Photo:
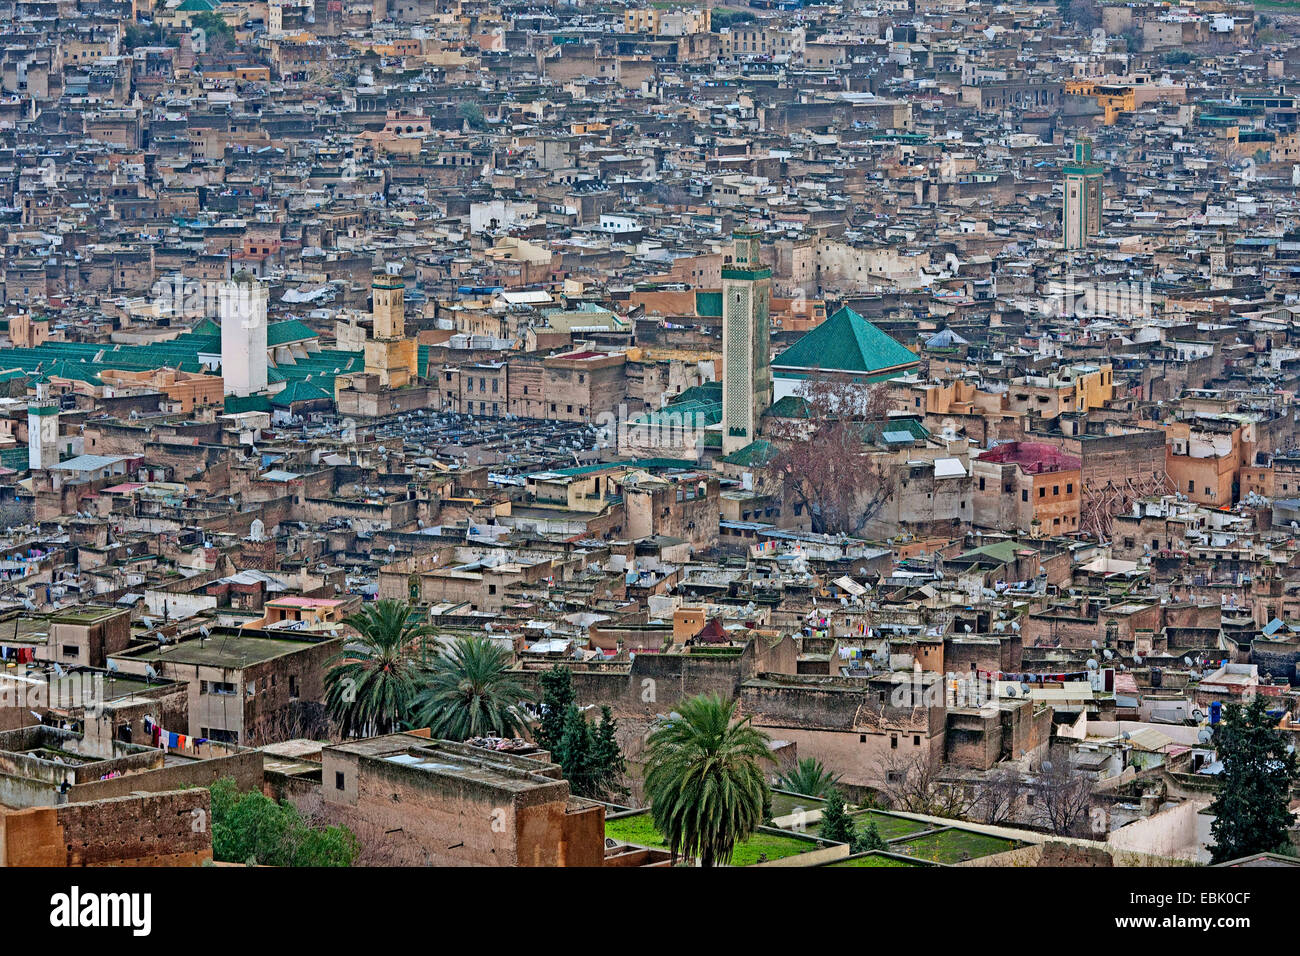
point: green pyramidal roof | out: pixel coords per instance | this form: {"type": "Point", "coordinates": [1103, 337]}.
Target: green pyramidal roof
{"type": "Point", "coordinates": [846, 342]}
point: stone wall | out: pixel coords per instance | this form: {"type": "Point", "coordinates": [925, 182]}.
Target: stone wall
{"type": "Point", "coordinates": [173, 828]}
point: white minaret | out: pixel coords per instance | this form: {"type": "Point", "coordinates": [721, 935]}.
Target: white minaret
{"type": "Point", "coordinates": [243, 335]}
{"type": "Point", "coordinates": [42, 432]}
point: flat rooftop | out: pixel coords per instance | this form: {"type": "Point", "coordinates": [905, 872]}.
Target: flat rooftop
{"type": "Point", "coordinates": [442, 758]}
{"type": "Point", "coordinates": [219, 651]}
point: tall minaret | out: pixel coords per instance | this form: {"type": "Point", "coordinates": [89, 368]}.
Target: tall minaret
{"type": "Point", "coordinates": [1081, 217]}
{"type": "Point", "coordinates": [243, 335]}
{"type": "Point", "coordinates": [389, 353]}
{"type": "Point", "coordinates": [42, 431]}
{"type": "Point", "coordinates": [746, 356]}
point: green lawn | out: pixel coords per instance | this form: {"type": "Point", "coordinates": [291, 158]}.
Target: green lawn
{"type": "Point", "coordinates": [784, 804]}
{"type": "Point", "coordinates": [640, 829]}
{"type": "Point", "coordinates": [771, 845]}
{"type": "Point", "coordinates": [891, 828]}
{"type": "Point", "coordinates": [953, 846]}
{"type": "Point", "coordinates": [872, 860]}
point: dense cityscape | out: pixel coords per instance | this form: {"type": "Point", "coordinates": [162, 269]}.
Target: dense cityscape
{"type": "Point", "coordinates": [649, 434]}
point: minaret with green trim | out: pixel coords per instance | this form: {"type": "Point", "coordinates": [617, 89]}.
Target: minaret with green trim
{"type": "Point", "coordinates": [1081, 217]}
{"type": "Point", "coordinates": [746, 356]}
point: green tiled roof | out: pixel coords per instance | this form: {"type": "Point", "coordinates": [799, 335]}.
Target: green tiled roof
{"type": "Point", "coordinates": [75, 370]}
{"type": "Point", "coordinates": [846, 342]}
{"type": "Point", "coordinates": [792, 406]}
{"type": "Point", "coordinates": [15, 458]}
{"type": "Point", "coordinates": [758, 452]}
{"type": "Point", "coordinates": [708, 392]}
{"type": "Point", "coordinates": [1003, 552]}
{"type": "Point", "coordinates": [278, 333]}
{"type": "Point", "coordinates": [873, 432]}
{"type": "Point", "coordinates": [299, 392]}
{"type": "Point", "coordinates": [708, 303]}
{"type": "Point", "coordinates": [253, 403]}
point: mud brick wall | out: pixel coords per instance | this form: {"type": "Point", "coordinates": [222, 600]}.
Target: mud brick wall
{"type": "Point", "coordinates": [161, 829]}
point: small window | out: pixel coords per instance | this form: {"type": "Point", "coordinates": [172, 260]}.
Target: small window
{"type": "Point", "coordinates": [338, 780]}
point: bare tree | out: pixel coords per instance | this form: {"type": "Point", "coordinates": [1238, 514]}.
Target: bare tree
{"type": "Point", "coordinates": [914, 784]}
{"type": "Point", "coordinates": [998, 796]}
{"type": "Point", "coordinates": [1062, 796]}
{"type": "Point", "coordinates": [823, 464]}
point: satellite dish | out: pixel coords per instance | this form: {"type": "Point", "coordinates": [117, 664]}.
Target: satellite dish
{"type": "Point", "coordinates": [1107, 653]}
{"type": "Point", "coordinates": [1092, 664]}
{"type": "Point", "coordinates": [1011, 692]}
{"type": "Point", "coordinates": [1187, 661]}
{"type": "Point", "coordinates": [149, 672]}
{"type": "Point", "coordinates": [1047, 766]}
{"type": "Point", "coordinates": [1205, 736]}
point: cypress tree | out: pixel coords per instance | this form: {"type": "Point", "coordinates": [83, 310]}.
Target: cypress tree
{"type": "Point", "coordinates": [836, 823]}
{"type": "Point", "coordinates": [1250, 811]}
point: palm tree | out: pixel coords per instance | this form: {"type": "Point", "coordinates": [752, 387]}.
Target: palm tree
{"type": "Point", "coordinates": [808, 777]}
{"type": "Point", "coordinates": [469, 691]}
{"type": "Point", "coordinates": [703, 780]}
{"type": "Point", "coordinates": [370, 685]}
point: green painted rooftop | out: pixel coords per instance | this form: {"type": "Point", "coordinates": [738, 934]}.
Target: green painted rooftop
{"type": "Point", "coordinates": [846, 342]}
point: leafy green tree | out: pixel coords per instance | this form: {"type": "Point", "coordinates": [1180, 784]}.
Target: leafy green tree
{"type": "Point", "coordinates": [557, 696]}
{"type": "Point", "coordinates": [1250, 811]}
{"type": "Point", "coordinates": [837, 825]}
{"type": "Point", "coordinates": [369, 687]}
{"type": "Point", "coordinates": [140, 34]}
{"type": "Point", "coordinates": [471, 113]}
{"type": "Point", "coordinates": [868, 838]}
{"type": "Point", "coordinates": [607, 761]}
{"type": "Point", "coordinates": [807, 777]}
{"type": "Point", "coordinates": [575, 751]}
{"type": "Point", "coordinates": [469, 691]}
{"type": "Point", "coordinates": [252, 828]}
{"type": "Point", "coordinates": [703, 779]}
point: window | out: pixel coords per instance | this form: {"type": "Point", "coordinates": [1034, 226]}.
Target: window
{"type": "Point", "coordinates": [338, 779]}
{"type": "Point", "coordinates": [1042, 492]}
{"type": "Point", "coordinates": [1069, 488]}
{"type": "Point", "coordinates": [893, 743]}
{"type": "Point", "coordinates": [862, 738]}
{"type": "Point", "coordinates": [981, 484]}
{"type": "Point", "coordinates": [1056, 490]}
{"type": "Point", "coordinates": [916, 740]}
{"type": "Point", "coordinates": [293, 686]}
{"type": "Point", "coordinates": [1024, 494]}
{"type": "Point", "coordinates": [70, 650]}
